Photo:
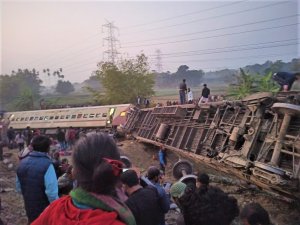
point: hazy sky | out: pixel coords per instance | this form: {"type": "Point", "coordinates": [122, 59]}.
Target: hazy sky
{"type": "Point", "coordinates": [208, 35]}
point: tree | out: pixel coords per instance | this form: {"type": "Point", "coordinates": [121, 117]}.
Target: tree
{"type": "Point", "coordinates": [243, 87]}
{"type": "Point", "coordinates": [64, 87]}
{"type": "Point", "coordinates": [21, 84]}
{"type": "Point", "coordinates": [123, 83]}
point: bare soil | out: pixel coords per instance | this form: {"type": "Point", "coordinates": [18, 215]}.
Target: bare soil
{"type": "Point", "coordinates": [142, 156]}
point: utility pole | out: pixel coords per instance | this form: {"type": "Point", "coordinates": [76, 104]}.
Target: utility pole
{"type": "Point", "coordinates": [111, 54]}
{"type": "Point", "coordinates": [158, 61]}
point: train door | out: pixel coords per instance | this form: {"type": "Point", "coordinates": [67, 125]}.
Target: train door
{"type": "Point", "coordinates": [110, 118]}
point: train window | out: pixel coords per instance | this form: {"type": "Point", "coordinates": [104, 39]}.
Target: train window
{"type": "Point", "coordinates": [85, 115]}
{"type": "Point", "coordinates": [36, 118]}
{"type": "Point", "coordinates": [26, 118]}
{"type": "Point", "coordinates": [92, 115]}
{"type": "Point", "coordinates": [79, 116]}
{"type": "Point", "coordinates": [68, 116]}
{"type": "Point", "coordinates": [13, 119]}
{"type": "Point", "coordinates": [62, 117]}
{"type": "Point", "coordinates": [104, 115]}
{"type": "Point", "coordinates": [17, 119]}
{"type": "Point", "coordinates": [56, 117]}
{"type": "Point", "coordinates": [31, 118]}
{"type": "Point", "coordinates": [51, 117]}
{"type": "Point", "coordinates": [41, 118]}
{"type": "Point", "coordinates": [46, 118]}
{"type": "Point", "coordinates": [73, 117]}
{"type": "Point", "coordinates": [22, 119]}
{"type": "Point", "coordinates": [98, 115]}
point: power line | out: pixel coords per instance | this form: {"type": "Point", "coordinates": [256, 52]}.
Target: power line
{"type": "Point", "coordinates": [231, 58]}
{"type": "Point", "coordinates": [228, 34]}
{"type": "Point", "coordinates": [217, 29]}
{"type": "Point", "coordinates": [187, 53]}
{"type": "Point", "coordinates": [237, 50]}
{"type": "Point", "coordinates": [233, 46]}
{"type": "Point", "coordinates": [183, 15]}
{"type": "Point", "coordinates": [212, 17]}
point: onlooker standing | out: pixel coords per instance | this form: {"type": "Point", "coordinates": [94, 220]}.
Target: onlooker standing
{"type": "Point", "coordinates": [60, 135]}
{"type": "Point", "coordinates": [36, 179]}
{"type": "Point", "coordinates": [164, 200]}
{"type": "Point", "coordinates": [255, 214]}
{"type": "Point", "coordinates": [182, 92]}
{"type": "Point", "coordinates": [28, 136]}
{"type": "Point", "coordinates": [286, 80]}
{"type": "Point", "coordinates": [20, 140]}
{"type": "Point", "coordinates": [97, 170]}
{"type": "Point", "coordinates": [11, 137]}
{"type": "Point", "coordinates": [190, 96]}
{"type": "Point", "coordinates": [205, 94]}
{"type": "Point", "coordinates": [143, 202]}
{"type": "Point", "coordinates": [162, 156]}
{"type": "Point", "coordinates": [70, 137]}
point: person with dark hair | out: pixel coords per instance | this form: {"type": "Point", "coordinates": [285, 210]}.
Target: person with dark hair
{"type": "Point", "coordinates": [60, 136]}
{"type": "Point", "coordinates": [20, 140]}
{"type": "Point", "coordinates": [36, 178]}
{"type": "Point", "coordinates": [11, 137]}
{"type": "Point", "coordinates": [66, 182]}
{"type": "Point", "coordinates": [202, 181]}
{"type": "Point", "coordinates": [254, 214]}
{"type": "Point", "coordinates": [182, 92]}
{"type": "Point", "coordinates": [212, 206]}
{"type": "Point", "coordinates": [205, 94]}
{"type": "Point", "coordinates": [154, 175]}
{"type": "Point", "coordinates": [96, 169]}
{"type": "Point", "coordinates": [28, 135]}
{"type": "Point", "coordinates": [162, 156]}
{"type": "Point", "coordinates": [286, 80]}
{"type": "Point", "coordinates": [143, 202]}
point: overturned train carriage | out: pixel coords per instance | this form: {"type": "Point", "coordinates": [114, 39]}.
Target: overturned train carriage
{"type": "Point", "coordinates": [256, 139]}
{"type": "Point", "coordinates": [83, 117]}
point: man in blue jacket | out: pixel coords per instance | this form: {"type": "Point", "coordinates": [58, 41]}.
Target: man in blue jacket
{"type": "Point", "coordinates": [153, 175]}
{"type": "Point", "coordinates": [36, 178]}
{"type": "Point", "coordinates": [286, 80]}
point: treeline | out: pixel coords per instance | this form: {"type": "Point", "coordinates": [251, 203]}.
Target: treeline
{"type": "Point", "coordinates": [196, 77]}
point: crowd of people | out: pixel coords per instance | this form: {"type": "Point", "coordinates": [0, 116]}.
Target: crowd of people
{"type": "Point", "coordinates": [96, 189]}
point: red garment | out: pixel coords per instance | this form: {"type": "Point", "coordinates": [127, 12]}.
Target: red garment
{"type": "Point", "coordinates": [63, 212]}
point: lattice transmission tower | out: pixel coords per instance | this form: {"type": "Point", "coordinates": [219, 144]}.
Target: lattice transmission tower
{"type": "Point", "coordinates": [111, 42]}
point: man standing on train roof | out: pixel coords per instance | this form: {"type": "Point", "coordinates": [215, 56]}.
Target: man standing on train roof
{"type": "Point", "coordinates": [36, 178]}
{"type": "Point", "coordinates": [205, 94]}
{"type": "Point", "coordinates": [182, 92]}
{"type": "Point", "coordinates": [286, 80]}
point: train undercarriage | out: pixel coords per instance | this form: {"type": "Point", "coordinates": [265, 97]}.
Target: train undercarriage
{"type": "Point", "coordinates": [256, 139]}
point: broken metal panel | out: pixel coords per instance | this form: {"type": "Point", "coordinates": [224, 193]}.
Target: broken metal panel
{"type": "Point", "coordinates": [257, 139]}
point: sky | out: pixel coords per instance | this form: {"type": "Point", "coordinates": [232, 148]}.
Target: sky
{"type": "Point", "coordinates": [207, 35]}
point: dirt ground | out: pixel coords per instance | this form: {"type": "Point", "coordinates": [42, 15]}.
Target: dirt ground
{"type": "Point", "coordinates": [12, 208]}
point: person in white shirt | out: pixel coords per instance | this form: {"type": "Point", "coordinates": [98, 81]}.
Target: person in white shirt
{"type": "Point", "coordinates": [190, 96]}
{"type": "Point", "coordinates": [20, 140]}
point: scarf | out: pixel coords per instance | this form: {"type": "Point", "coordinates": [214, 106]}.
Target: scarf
{"type": "Point", "coordinates": [104, 202]}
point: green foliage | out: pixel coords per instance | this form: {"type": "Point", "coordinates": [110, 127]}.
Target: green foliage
{"type": "Point", "coordinates": [23, 85]}
{"type": "Point", "coordinates": [250, 83]}
{"type": "Point", "coordinates": [266, 84]}
{"type": "Point", "coordinates": [125, 82]}
{"type": "Point", "coordinates": [64, 87]}
{"type": "Point", "coordinates": [243, 87]}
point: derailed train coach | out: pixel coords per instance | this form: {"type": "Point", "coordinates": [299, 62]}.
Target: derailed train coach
{"type": "Point", "coordinates": [256, 139]}
{"type": "Point", "coordinates": [109, 116]}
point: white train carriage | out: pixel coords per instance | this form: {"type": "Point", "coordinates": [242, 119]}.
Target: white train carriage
{"type": "Point", "coordinates": [93, 117]}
